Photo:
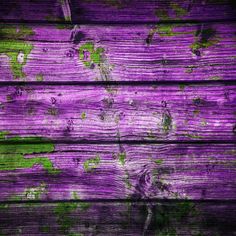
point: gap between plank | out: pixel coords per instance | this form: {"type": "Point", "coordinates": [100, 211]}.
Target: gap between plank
{"type": "Point", "coordinates": [154, 200]}
{"type": "Point", "coordinates": [118, 83]}
{"type": "Point", "coordinates": [129, 142]}
{"type": "Point", "coordinates": [118, 22]}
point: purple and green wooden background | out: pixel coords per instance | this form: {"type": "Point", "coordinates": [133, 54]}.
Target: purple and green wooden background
{"type": "Point", "coordinates": [118, 117]}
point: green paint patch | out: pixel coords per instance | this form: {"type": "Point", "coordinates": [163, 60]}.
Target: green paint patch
{"type": "Point", "coordinates": [13, 156]}
{"type": "Point", "coordinates": [15, 50]}
{"type": "Point", "coordinates": [194, 136]}
{"type": "Point", "coordinates": [35, 193]}
{"type": "Point", "coordinates": [89, 55]}
{"type": "Point", "coordinates": [39, 77]}
{"type": "Point", "coordinates": [159, 162]}
{"type": "Point", "coordinates": [215, 78]}
{"type": "Point", "coordinates": [92, 163]}
{"type": "Point", "coordinates": [83, 116]}
{"type": "Point", "coordinates": [122, 157]}
{"type": "Point", "coordinates": [182, 87]}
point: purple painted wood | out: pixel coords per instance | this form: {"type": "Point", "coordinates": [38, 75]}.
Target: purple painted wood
{"type": "Point", "coordinates": [46, 131]}
{"type": "Point", "coordinates": [114, 113]}
{"type": "Point", "coordinates": [128, 219]}
{"type": "Point", "coordinates": [112, 171]}
{"type": "Point", "coordinates": [118, 53]}
{"type": "Point", "coordinates": [116, 11]}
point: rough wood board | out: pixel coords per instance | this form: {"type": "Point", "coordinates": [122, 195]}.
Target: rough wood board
{"type": "Point", "coordinates": [174, 171]}
{"type": "Point", "coordinates": [120, 113]}
{"type": "Point", "coordinates": [134, 11]}
{"type": "Point", "coordinates": [112, 218]}
{"type": "Point", "coordinates": [88, 53]}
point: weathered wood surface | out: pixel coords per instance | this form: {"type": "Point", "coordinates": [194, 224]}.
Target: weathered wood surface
{"type": "Point", "coordinates": [48, 171]}
{"type": "Point", "coordinates": [120, 113]}
{"type": "Point", "coordinates": [201, 52]}
{"type": "Point", "coordinates": [105, 218]}
{"type": "Point", "coordinates": [134, 11]}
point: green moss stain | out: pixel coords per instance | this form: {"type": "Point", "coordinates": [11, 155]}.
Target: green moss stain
{"type": "Point", "coordinates": [182, 87]}
{"type": "Point", "coordinates": [91, 163]}
{"type": "Point", "coordinates": [13, 32]}
{"type": "Point", "coordinates": [162, 14]}
{"type": "Point", "coordinates": [166, 216]}
{"type": "Point", "coordinates": [45, 228]}
{"type": "Point", "coordinates": [62, 20]}
{"type": "Point", "coordinates": [179, 11]}
{"type": "Point", "coordinates": [63, 212]}
{"type": "Point", "coordinates": [127, 180]}
{"type": "Point", "coordinates": [122, 157]}
{"type": "Point", "coordinates": [113, 3]}
{"type": "Point", "coordinates": [17, 50]}
{"type": "Point", "coordinates": [90, 55]}
{"type": "Point", "coordinates": [204, 39]}
{"type": "Point", "coordinates": [166, 30]}
{"type": "Point", "coordinates": [12, 157]}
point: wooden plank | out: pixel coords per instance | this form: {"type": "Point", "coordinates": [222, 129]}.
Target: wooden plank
{"type": "Point", "coordinates": [120, 113]}
{"type": "Point", "coordinates": [36, 10]}
{"type": "Point", "coordinates": [47, 171]}
{"type": "Point", "coordinates": [105, 218]}
{"type": "Point", "coordinates": [134, 11]}
{"type": "Point", "coordinates": [88, 53]}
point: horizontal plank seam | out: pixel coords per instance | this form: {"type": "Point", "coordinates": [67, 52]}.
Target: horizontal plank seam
{"type": "Point", "coordinates": [130, 142]}
{"type": "Point", "coordinates": [192, 21]}
{"type": "Point", "coordinates": [117, 83]}
{"type": "Point", "coordinates": [154, 200]}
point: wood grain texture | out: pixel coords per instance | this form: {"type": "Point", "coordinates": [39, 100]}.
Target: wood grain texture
{"type": "Point", "coordinates": [120, 113]}
{"type": "Point", "coordinates": [104, 218]}
{"type": "Point", "coordinates": [88, 53]}
{"type": "Point", "coordinates": [165, 171]}
{"type": "Point", "coordinates": [134, 11]}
